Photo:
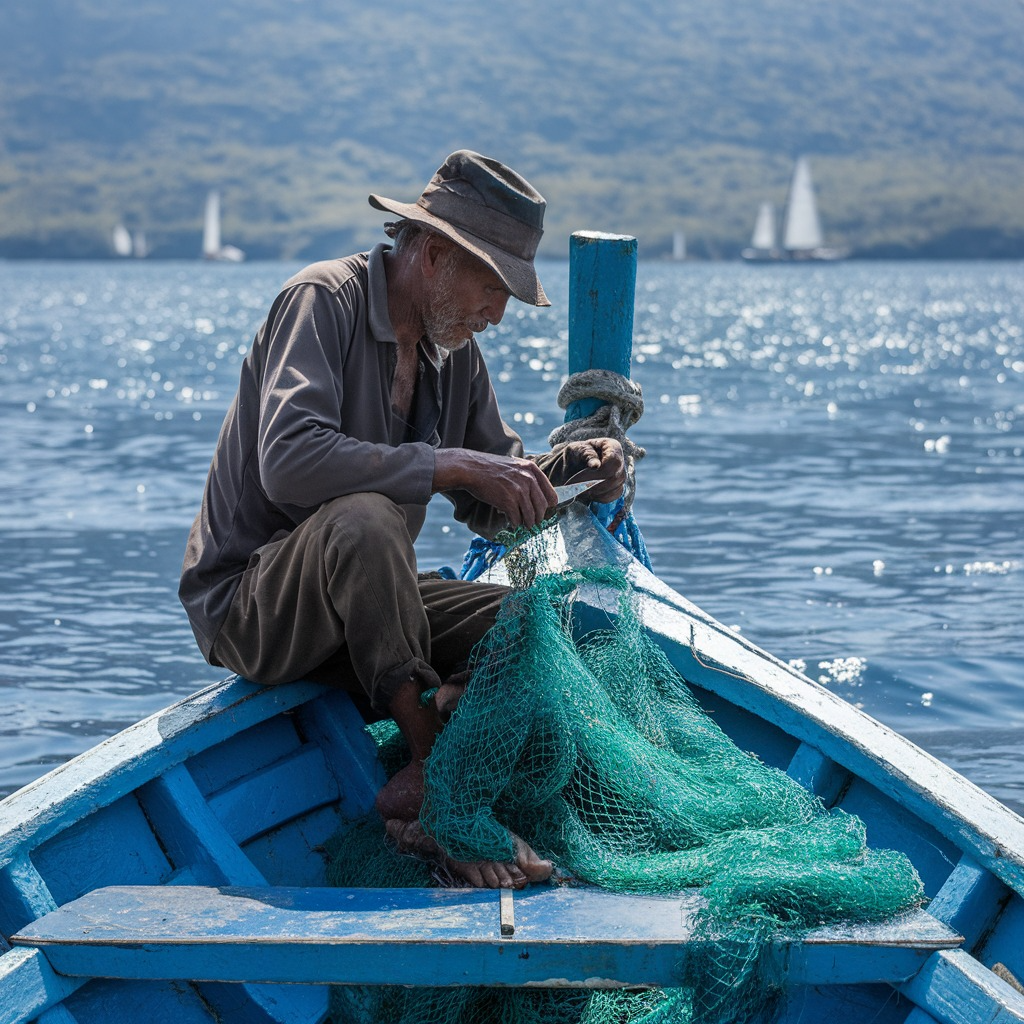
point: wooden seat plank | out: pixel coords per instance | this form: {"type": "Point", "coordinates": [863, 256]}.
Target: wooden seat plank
{"type": "Point", "coordinates": [563, 937]}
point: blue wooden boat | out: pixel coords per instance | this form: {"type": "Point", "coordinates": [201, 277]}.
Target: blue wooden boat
{"type": "Point", "coordinates": [176, 870]}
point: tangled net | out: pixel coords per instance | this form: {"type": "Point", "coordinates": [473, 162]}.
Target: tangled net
{"type": "Point", "coordinates": [595, 751]}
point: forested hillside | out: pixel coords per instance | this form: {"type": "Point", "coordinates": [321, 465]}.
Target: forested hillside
{"type": "Point", "coordinates": [644, 119]}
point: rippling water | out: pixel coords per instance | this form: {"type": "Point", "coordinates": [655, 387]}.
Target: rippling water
{"type": "Point", "coordinates": [835, 466]}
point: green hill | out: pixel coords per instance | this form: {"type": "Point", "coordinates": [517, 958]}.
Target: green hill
{"type": "Point", "coordinates": [674, 114]}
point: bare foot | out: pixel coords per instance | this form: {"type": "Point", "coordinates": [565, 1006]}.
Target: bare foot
{"type": "Point", "coordinates": [481, 874]}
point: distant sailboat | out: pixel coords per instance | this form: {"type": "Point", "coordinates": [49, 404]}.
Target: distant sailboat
{"type": "Point", "coordinates": [802, 237]}
{"type": "Point", "coordinates": [121, 240]}
{"type": "Point", "coordinates": [212, 247]}
{"type": "Point", "coordinates": [801, 231]}
{"type": "Point", "coordinates": [679, 246]}
{"type": "Point", "coordinates": [763, 244]}
{"type": "Point", "coordinates": [125, 243]}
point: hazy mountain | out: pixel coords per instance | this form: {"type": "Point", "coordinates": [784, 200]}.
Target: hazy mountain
{"type": "Point", "coordinates": [633, 118]}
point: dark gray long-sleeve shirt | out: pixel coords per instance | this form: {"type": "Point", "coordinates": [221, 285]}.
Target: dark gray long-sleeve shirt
{"type": "Point", "coordinates": [313, 420]}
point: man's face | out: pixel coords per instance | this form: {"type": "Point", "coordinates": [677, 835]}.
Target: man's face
{"type": "Point", "coordinates": [465, 296]}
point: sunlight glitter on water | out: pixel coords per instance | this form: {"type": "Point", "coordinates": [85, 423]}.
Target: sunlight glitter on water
{"type": "Point", "coordinates": [823, 444]}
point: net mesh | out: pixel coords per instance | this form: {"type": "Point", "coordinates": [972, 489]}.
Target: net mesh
{"type": "Point", "coordinates": [594, 750]}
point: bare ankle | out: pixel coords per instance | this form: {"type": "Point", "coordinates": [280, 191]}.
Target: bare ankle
{"type": "Point", "coordinates": [401, 797]}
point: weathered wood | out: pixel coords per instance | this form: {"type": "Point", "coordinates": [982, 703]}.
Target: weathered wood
{"type": "Point", "coordinates": [59, 1014]}
{"type": "Point", "coordinates": [508, 913]}
{"type": "Point", "coordinates": [133, 757]}
{"type": "Point", "coordinates": [274, 794]}
{"type": "Point", "coordinates": [113, 845]}
{"type": "Point", "coordinates": [918, 1016]}
{"type": "Point", "coordinates": [334, 723]}
{"type": "Point", "coordinates": [192, 836]}
{"type": "Point", "coordinates": [602, 286]}
{"type": "Point", "coordinates": [24, 895]}
{"type": "Point", "coordinates": [199, 844]}
{"type": "Point", "coordinates": [900, 790]}
{"type": "Point", "coordinates": [562, 937]}
{"type": "Point", "coordinates": [955, 989]}
{"type": "Point", "coordinates": [28, 986]}
{"type": "Point", "coordinates": [970, 900]}
{"type": "Point", "coordinates": [818, 774]}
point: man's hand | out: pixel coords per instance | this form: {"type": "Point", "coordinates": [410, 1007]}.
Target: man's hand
{"type": "Point", "coordinates": [515, 487]}
{"type": "Point", "coordinates": [604, 461]}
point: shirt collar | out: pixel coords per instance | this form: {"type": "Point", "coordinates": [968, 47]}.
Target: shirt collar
{"type": "Point", "coordinates": [377, 291]}
{"type": "Point", "coordinates": [380, 321]}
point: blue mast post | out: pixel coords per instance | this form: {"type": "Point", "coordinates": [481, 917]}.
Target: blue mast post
{"type": "Point", "coordinates": [602, 294]}
{"type": "Point", "coordinates": [602, 289]}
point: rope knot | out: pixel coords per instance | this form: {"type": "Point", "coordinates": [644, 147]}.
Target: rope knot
{"type": "Point", "coordinates": [623, 394]}
{"type": "Point", "coordinates": [623, 406]}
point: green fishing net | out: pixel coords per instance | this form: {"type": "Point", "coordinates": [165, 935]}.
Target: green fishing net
{"type": "Point", "coordinates": [594, 750]}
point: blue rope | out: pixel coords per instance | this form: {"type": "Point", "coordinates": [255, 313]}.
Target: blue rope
{"type": "Point", "coordinates": [480, 556]}
{"type": "Point", "coordinates": [626, 531]}
{"type": "Point", "coordinates": [483, 553]}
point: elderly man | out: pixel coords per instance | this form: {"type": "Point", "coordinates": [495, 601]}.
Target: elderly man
{"type": "Point", "coordinates": [364, 393]}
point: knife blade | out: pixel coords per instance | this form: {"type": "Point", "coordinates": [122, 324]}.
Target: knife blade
{"type": "Point", "coordinates": [568, 493]}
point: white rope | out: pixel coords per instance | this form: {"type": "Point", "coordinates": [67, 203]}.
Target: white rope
{"type": "Point", "coordinates": [623, 406]}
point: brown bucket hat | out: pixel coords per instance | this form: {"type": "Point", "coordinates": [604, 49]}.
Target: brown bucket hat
{"type": "Point", "coordinates": [488, 209]}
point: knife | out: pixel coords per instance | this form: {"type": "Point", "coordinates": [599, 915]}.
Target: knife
{"type": "Point", "coordinates": [568, 493]}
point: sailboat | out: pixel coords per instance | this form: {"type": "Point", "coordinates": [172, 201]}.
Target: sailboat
{"type": "Point", "coordinates": [763, 244]}
{"type": "Point", "coordinates": [121, 240]}
{"type": "Point", "coordinates": [679, 245]}
{"type": "Point", "coordinates": [125, 243]}
{"type": "Point", "coordinates": [802, 236]}
{"type": "Point", "coordinates": [213, 249]}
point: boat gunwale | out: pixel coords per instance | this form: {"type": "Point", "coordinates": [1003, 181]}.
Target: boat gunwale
{"type": "Point", "coordinates": [132, 757]}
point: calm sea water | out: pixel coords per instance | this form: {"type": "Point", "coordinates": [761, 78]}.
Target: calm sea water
{"type": "Point", "coordinates": [835, 466]}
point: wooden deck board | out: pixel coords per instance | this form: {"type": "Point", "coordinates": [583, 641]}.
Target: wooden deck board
{"type": "Point", "coordinates": [563, 937]}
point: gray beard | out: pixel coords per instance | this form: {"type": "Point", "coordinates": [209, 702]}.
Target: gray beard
{"type": "Point", "coordinates": [440, 327]}
{"type": "Point", "coordinates": [443, 320]}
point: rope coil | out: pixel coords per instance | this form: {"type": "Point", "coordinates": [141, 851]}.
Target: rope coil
{"type": "Point", "coordinates": [623, 406]}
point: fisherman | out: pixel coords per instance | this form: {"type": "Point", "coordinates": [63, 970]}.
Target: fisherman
{"type": "Point", "coordinates": [364, 393]}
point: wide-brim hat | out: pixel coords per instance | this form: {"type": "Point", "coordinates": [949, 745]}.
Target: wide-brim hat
{"type": "Point", "coordinates": [490, 211]}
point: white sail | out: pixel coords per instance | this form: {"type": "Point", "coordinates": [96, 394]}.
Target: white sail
{"type": "Point", "coordinates": [121, 241]}
{"type": "Point", "coordinates": [679, 246]}
{"type": "Point", "coordinates": [211, 226]}
{"type": "Point", "coordinates": [764, 228]}
{"type": "Point", "coordinates": [802, 231]}
{"type": "Point", "coordinates": [212, 247]}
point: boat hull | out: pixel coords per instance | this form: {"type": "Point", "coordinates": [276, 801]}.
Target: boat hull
{"type": "Point", "coordinates": [795, 256]}
{"type": "Point", "coordinates": [241, 786]}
